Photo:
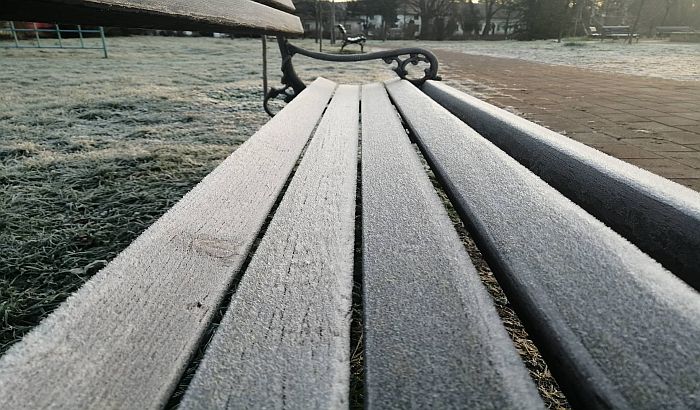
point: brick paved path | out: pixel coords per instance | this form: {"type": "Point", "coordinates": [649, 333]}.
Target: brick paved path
{"type": "Point", "coordinates": [652, 123]}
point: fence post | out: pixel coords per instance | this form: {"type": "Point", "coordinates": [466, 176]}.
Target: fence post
{"type": "Point", "coordinates": [36, 34]}
{"type": "Point", "coordinates": [104, 43]}
{"type": "Point", "coordinates": [58, 33]}
{"type": "Point", "coordinates": [14, 33]}
{"type": "Point", "coordinates": [80, 34]}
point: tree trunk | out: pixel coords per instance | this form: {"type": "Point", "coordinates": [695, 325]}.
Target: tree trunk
{"type": "Point", "coordinates": [636, 21]}
{"type": "Point", "coordinates": [318, 20]}
{"type": "Point", "coordinates": [489, 16]}
{"type": "Point", "coordinates": [507, 27]}
{"type": "Point", "coordinates": [669, 4]}
{"type": "Point", "coordinates": [563, 19]}
{"type": "Point", "coordinates": [333, 22]}
{"type": "Point", "coordinates": [425, 30]}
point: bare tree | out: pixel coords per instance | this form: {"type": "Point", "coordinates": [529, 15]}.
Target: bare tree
{"type": "Point", "coordinates": [388, 10]}
{"type": "Point", "coordinates": [636, 20]}
{"type": "Point", "coordinates": [469, 17]}
{"type": "Point", "coordinates": [667, 9]}
{"type": "Point", "coordinates": [429, 10]}
{"type": "Point", "coordinates": [385, 8]}
{"type": "Point", "coordinates": [491, 7]}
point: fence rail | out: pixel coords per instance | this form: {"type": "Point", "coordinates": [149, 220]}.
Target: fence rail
{"type": "Point", "coordinates": [59, 36]}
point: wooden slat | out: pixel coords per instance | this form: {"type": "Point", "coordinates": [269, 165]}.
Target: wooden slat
{"type": "Point", "coordinates": [284, 342]}
{"type": "Point", "coordinates": [658, 215]}
{"type": "Point", "coordinates": [433, 338]}
{"type": "Point", "coordinates": [124, 339]}
{"type": "Point", "coordinates": [618, 330]}
{"type": "Point", "coordinates": [196, 15]}
{"type": "Point", "coordinates": [285, 5]}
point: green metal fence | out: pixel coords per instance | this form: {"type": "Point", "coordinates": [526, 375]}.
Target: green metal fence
{"type": "Point", "coordinates": [37, 42]}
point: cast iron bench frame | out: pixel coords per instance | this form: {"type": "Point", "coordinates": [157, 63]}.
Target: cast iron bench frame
{"type": "Point", "coordinates": [347, 40]}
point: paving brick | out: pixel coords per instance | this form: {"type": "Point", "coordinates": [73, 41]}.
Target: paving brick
{"type": "Point", "coordinates": [623, 117]}
{"type": "Point", "coordinates": [617, 105]}
{"type": "Point", "coordinates": [650, 126]}
{"type": "Point", "coordinates": [620, 132]}
{"type": "Point", "coordinates": [624, 151]}
{"type": "Point", "coordinates": [676, 120]}
{"type": "Point", "coordinates": [598, 110]}
{"type": "Point", "coordinates": [646, 113]}
{"type": "Point", "coordinates": [593, 138]}
{"type": "Point", "coordinates": [628, 100]}
{"type": "Point", "coordinates": [683, 107]}
{"type": "Point", "coordinates": [651, 105]}
{"type": "Point", "coordinates": [503, 101]}
{"type": "Point", "coordinates": [692, 183]}
{"type": "Point", "coordinates": [656, 145]}
{"type": "Point", "coordinates": [665, 167]}
{"type": "Point", "coordinates": [691, 158]}
{"type": "Point", "coordinates": [651, 122]}
{"type": "Point", "coordinates": [563, 125]}
{"type": "Point", "coordinates": [692, 115]}
{"type": "Point", "coordinates": [669, 110]}
{"type": "Point", "coordinates": [682, 137]}
{"type": "Point", "coordinates": [691, 128]}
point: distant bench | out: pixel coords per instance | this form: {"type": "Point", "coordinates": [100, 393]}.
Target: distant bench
{"type": "Point", "coordinates": [614, 32]}
{"type": "Point", "coordinates": [667, 31]}
{"type": "Point", "coordinates": [331, 193]}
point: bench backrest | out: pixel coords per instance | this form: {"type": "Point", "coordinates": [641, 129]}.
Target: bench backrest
{"type": "Point", "coordinates": [616, 29]}
{"type": "Point", "coordinates": [673, 29]}
{"type": "Point", "coordinates": [230, 16]}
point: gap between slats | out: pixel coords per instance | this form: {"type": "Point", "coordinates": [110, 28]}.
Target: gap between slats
{"type": "Point", "coordinates": [357, 343]}
{"type": "Point", "coordinates": [186, 379]}
{"type": "Point", "coordinates": [285, 340]}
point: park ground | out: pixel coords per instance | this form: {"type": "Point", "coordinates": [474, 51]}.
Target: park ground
{"type": "Point", "coordinates": [92, 151]}
{"type": "Point", "coordinates": [641, 105]}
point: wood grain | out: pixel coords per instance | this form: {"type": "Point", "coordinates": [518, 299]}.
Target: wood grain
{"type": "Point", "coordinates": [244, 16]}
{"type": "Point", "coordinates": [285, 340]}
{"type": "Point", "coordinates": [433, 338]}
{"type": "Point", "coordinates": [660, 216]}
{"type": "Point", "coordinates": [123, 340]}
{"type": "Point", "coordinates": [618, 330]}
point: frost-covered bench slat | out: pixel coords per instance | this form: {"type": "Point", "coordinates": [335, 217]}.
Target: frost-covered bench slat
{"type": "Point", "coordinates": [247, 16]}
{"type": "Point", "coordinates": [660, 216]}
{"type": "Point", "coordinates": [285, 340]}
{"type": "Point", "coordinates": [619, 330]}
{"type": "Point", "coordinates": [433, 337]}
{"type": "Point", "coordinates": [124, 339]}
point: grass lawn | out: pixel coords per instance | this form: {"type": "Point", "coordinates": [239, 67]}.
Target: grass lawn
{"type": "Point", "coordinates": [93, 151]}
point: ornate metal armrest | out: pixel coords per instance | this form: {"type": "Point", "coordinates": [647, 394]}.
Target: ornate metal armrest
{"type": "Point", "coordinates": [292, 85]}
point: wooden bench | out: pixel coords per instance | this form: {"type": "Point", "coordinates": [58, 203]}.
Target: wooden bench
{"type": "Point", "coordinates": [348, 39]}
{"type": "Point", "coordinates": [617, 32]}
{"type": "Point", "coordinates": [332, 193]}
{"type": "Point", "coordinates": [667, 31]}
